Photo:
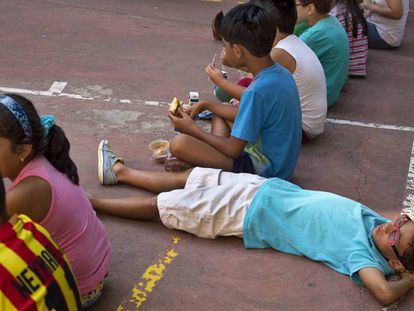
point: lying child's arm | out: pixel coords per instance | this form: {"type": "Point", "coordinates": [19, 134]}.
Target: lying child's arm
{"type": "Point", "coordinates": [217, 78]}
{"type": "Point", "coordinates": [385, 291]}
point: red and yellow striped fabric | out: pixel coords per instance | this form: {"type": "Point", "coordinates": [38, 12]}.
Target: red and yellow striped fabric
{"type": "Point", "coordinates": [34, 272]}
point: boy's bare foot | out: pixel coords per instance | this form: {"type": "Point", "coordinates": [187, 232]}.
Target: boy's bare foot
{"type": "Point", "coordinates": [173, 164]}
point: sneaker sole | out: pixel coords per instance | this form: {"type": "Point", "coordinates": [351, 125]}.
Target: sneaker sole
{"type": "Point", "coordinates": [100, 161]}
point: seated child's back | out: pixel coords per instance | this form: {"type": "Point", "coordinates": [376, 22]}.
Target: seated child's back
{"type": "Point", "coordinates": [73, 224]}
{"type": "Point", "coordinates": [356, 27]}
{"type": "Point", "coordinates": [328, 39]}
{"type": "Point", "coordinates": [269, 118]}
{"type": "Point", "coordinates": [311, 82]}
{"type": "Point", "coordinates": [45, 187]}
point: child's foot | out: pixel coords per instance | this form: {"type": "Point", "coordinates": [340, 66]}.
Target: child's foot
{"type": "Point", "coordinates": [173, 164]}
{"type": "Point", "coordinates": [106, 161]}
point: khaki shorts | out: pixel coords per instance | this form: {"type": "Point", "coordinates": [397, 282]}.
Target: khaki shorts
{"type": "Point", "coordinates": [213, 203]}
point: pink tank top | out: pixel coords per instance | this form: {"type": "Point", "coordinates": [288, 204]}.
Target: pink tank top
{"type": "Point", "coordinates": [73, 225]}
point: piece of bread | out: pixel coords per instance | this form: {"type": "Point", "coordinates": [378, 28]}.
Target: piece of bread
{"type": "Point", "coordinates": [175, 104]}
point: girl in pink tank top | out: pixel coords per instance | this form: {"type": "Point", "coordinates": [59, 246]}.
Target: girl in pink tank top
{"type": "Point", "coordinates": [34, 155]}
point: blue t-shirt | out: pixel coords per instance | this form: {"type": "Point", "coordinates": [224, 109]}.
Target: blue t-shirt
{"type": "Point", "coordinates": [270, 120]}
{"type": "Point", "coordinates": [319, 225]}
{"type": "Point", "coordinates": [329, 40]}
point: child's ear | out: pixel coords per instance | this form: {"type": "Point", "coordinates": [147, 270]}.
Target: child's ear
{"type": "Point", "coordinates": [310, 9]}
{"type": "Point", "coordinates": [24, 150]}
{"type": "Point", "coordinates": [396, 265]}
{"type": "Point", "coordinates": [239, 51]}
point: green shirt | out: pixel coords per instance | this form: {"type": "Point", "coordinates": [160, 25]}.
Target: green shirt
{"type": "Point", "coordinates": [300, 29]}
{"type": "Point", "coordinates": [328, 39]}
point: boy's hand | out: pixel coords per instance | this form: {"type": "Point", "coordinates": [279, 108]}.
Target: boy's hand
{"type": "Point", "coordinates": [214, 74]}
{"type": "Point", "coordinates": [195, 109]}
{"type": "Point", "coordinates": [408, 276]}
{"type": "Point", "coordinates": [182, 122]}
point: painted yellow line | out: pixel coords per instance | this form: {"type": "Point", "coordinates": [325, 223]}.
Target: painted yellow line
{"type": "Point", "coordinates": [150, 278]}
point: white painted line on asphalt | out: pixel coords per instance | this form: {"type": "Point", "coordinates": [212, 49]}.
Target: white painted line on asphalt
{"type": "Point", "coordinates": [43, 93]}
{"type": "Point", "coordinates": [371, 125]}
{"type": "Point", "coordinates": [57, 87]}
{"type": "Point", "coordinates": [152, 103]}
{"type": "Point", "coordinates": [54, 92]}
{"type": "Point", "coordinates": [408, 203]}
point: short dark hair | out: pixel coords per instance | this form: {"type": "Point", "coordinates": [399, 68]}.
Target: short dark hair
{"type": "Point", "coordinates": [251, 26]}
{"type": "Point", "coordinates": [283, 13]}
{"type": "Point", "coordinates": [3, 212]}
{"type": "Point", "coordinates": [321, 6]}
{"type": "Point", "coordinates": [407, 259]}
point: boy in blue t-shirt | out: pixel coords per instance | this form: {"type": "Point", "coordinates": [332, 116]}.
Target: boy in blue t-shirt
{"type": "Point", "coordinates": [328, 40]}
{"type": "Point", "coordinates": [273, 213]}
{"type": "Point", "coordinates": [266, 135]}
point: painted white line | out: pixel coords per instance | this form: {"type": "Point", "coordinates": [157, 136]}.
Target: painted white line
{"type": "Point", "coordinates": [408, 203]}
{"type": "Point", "coordinates": [151, 103]}
{"type": "Point", "coordinates": [43, 93]}
{"type": "Point", "coordinates": [57, 87]}
{"type": "Point", "coordinates": [371, 125]}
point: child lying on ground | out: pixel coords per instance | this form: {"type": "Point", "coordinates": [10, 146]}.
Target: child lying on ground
{"type": "Point", "coordinates": [34, 272]}
{"type": "Point", "coordinates": [266, 134]}
{"type": "Point", "coordinates": [271, 213]}
{"type": "Point", "coordinates": [34, 155]}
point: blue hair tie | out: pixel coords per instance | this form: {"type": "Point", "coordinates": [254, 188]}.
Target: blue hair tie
{"type": "Point", "coordinates": [48, 121]}
{"type": "Point", "coordinates": [17, 111]}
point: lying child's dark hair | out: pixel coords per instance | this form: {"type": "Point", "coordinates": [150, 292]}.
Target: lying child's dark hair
{"type": "Point", "coordinates": [407, 259]}
{"type": "Point", "coordinates": [251, 26]}
{"type": "Point", "coordinates": [55, 147]}
{"type": "Point", "coordinates": [283, 12]}
{"type": "Point", "coordinates": [321, 6]}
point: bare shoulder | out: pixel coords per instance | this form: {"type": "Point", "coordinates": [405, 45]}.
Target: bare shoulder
{"type": "Point", "coordinates": [284, 58]}
{"type": "Point", "coordinates": [32, 197]}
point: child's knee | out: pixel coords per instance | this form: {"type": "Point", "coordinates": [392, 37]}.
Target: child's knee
{"type": "Point", "coordinates": [177, 144]}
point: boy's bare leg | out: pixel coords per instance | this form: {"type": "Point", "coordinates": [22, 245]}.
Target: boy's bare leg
{"type": "Point", "coordinates": [153, 181]}
{"type": "Point", "coordinates": [198, 153]}
{"type": "Point", "coordinates": [219, 127]}
{"type": "Point", "coordinates": [140, 207]}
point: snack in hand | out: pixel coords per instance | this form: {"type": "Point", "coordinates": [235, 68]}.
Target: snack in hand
{"type": "Point", "coordinates": [175, 105]}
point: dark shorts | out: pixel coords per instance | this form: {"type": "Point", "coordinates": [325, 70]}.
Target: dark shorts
{"type": "Point", "coordinates": [305, 137]}
{"type": "Point", "coordinates": [374, 39]}
{"type": "Point", "coordinates": [243, 164]}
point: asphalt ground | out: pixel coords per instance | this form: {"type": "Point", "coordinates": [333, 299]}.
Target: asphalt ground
{"type": "Point", "coordinates": [120, 63]}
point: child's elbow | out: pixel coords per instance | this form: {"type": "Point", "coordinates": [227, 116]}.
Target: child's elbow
{"type": "Point", "coordinates": [397, 14]}
{"type": "Point", "coordinates": [385, 296]}
{"type": "Point", "coordinates": [234, 153]}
